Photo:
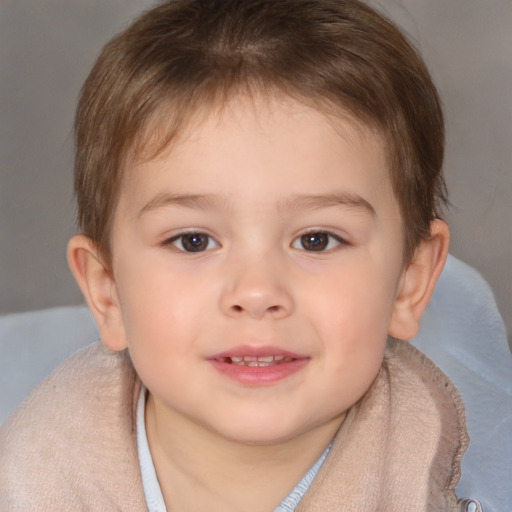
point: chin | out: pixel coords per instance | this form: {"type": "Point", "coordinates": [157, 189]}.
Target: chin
{"type": "Point", "coordinates": [270, 432]}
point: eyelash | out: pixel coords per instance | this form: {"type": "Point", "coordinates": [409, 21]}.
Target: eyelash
{"type": "Point", "coordinates": [322, 241]}
{"type": "Point", "coordinates": [330, 239]}
{"type": "Point", "coordinates": [178, 241]}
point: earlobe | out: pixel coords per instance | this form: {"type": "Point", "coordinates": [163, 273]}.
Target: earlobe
{"type": "Point", "coordinates": [418, 282]}
{"type": "Point", "coordinates": [98, 286]}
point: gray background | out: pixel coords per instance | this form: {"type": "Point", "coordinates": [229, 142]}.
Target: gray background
{"type": "Point", "coordinates": [47, 47]}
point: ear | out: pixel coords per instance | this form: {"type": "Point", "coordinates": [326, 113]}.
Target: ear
{"type": "Point", "coordinates": [418, 281]}
{"type": "Point", "coordinates": [95, 279]}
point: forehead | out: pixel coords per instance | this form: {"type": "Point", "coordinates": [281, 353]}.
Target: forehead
{"type": "Point", "coordinates": [256, 135]}
{"type": "Point", "coordinates": [172, 124]}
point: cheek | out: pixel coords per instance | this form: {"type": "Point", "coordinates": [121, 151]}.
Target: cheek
{"type": "Point", "coordinates": [357, 298]}
{"type": "Point", "coordinates": [161, 309]}
{"type": "Point", "coordinates": [161, 333]}
{"type": "Point", "coordinates": [351, 314]}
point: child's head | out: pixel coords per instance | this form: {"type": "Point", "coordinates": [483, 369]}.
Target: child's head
{"type": "Point", "coordinates": [251, 176]}
{"type": "Point", "coordinates": [186, 56]}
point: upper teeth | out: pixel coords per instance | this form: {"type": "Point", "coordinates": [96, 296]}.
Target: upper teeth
{"type": "Point", "coordinates": [258, 360]}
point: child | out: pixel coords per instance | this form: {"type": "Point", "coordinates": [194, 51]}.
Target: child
{"type": "Point", "coordinates": [258, 186]}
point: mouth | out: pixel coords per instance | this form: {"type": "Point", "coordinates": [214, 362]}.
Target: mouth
{"type": "Point", "coordinates": [256, 361]}
{"type": "Point", "coordinates": [255, 367]}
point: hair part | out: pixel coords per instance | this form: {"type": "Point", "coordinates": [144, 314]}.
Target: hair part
{"type": "Point", "coordinates": [182, 56]}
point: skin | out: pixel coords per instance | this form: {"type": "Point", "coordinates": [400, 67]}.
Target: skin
{"type": "Point", "coordinates": [248, 184]}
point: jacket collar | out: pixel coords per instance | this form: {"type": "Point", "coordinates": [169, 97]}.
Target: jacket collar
{"type": "Point", "coordinates": [400, 447]}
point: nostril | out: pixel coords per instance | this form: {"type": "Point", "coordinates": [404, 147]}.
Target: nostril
{"type": "Point", "coordinates": [248, 303]}
{"type": "Point", "coordinates": [236, 308]}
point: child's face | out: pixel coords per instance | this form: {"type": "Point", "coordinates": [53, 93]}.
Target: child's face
{"type": "Point", "coordinates": [267, 231]}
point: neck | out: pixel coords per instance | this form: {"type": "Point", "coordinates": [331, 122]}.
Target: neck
{"type": "Point", "coordinates": [198, 469]}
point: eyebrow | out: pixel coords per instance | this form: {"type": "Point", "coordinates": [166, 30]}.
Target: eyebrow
{"type": "Point", "coordinates": [317, 201]}
{"type": "Point", "coordinates": [201, 201]}
{"type": "Point", "coordinates": [296, 202]}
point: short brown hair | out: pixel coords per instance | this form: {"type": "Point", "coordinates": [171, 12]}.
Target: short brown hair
{"type": "Point", "coordinates": [184, 54]}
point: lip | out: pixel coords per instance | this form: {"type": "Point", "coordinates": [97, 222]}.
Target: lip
{"type": "Point", "coordinates": [284, 364]}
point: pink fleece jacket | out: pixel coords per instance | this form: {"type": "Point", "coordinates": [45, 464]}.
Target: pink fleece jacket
{"type": "Point", "coordinates": [72, 444]}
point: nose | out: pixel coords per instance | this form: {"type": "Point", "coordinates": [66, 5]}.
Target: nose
{"type": "Point", "coordinates": [256, 291]}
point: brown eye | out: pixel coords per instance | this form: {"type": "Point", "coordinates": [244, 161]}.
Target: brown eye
{"type": "Point", "coordinates": [318, 241]}
{"type": "Point", "coordinates": [193, 242]}
{"type": "Point", "coordinates": [314, 241]}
